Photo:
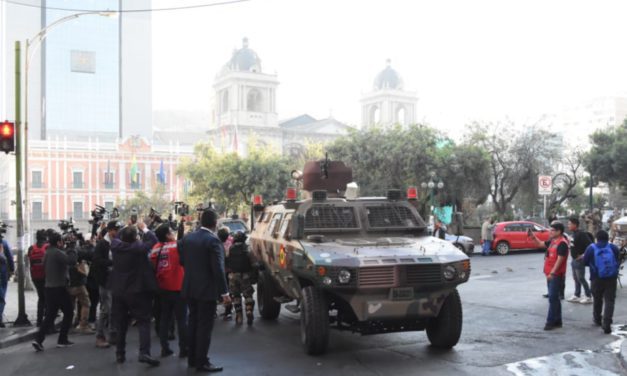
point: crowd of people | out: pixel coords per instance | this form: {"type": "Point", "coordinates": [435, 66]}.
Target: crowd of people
{"type": "Point", "coordinates": [138, 275]}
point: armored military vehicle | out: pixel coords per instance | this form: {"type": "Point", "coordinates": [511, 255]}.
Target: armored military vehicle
{"type": "Point", "coordinates": [363, 264]}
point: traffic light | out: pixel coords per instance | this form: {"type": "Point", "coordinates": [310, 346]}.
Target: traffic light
{"type": "Point", "coordinates": [7, 137]}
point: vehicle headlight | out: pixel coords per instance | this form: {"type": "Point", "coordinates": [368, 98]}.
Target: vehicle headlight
{"type": "Point", "coordinates": [344, 276]}
{"type": "Point", "coordinates": [327, 281]}
{"type": "Point", "coordinates": [449, 272]}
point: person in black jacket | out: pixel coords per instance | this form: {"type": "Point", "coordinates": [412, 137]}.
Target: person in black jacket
{"type": "Point", "coordinates": [101, 267]}
{"type": "Point", "coordinates": [133, 285]}
{"type": "Point", "coordinates": [581, 241]}
{"type": "Point", "coordinates": [202, 257]}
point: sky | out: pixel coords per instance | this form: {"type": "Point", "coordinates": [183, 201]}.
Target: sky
{"type": "Point", "coordinates": [466, 60]}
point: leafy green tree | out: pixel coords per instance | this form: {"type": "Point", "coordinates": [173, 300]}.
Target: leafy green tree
{"type": "Point", "coordinates": [142, 202]}
{"type": "Point", "coordinates": [607, 158]}
{"type": "Point", "coordinates": [231, 180]}
{"type": "Point", "coordinates": [516, 159]}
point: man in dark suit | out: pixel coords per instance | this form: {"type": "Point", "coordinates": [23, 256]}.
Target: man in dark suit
{"type": "Point", "coordinates": [133, 285]}
{"type": "Point", "coordinates": [204, 283]}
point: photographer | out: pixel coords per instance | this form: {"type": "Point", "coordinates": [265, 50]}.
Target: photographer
{"type": "Point", "coordinates": [7, 268]}
{"type": "Point", "coordinates": [78, 284]}
{"type": "Point", "coordinates": [56, 264]}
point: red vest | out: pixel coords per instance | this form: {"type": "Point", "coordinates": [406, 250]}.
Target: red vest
{"type": "Point", "coordinates": [168, 268]}
{"type": "Point", "coordinates": [551, 257]}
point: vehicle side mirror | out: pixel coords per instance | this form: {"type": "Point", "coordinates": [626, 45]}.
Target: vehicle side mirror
{"type": "Point", "coordinates": [298, 229]}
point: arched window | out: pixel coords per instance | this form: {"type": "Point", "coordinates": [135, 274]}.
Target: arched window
{"type": "Point", "coordinates": [375, 115]}
{"type": "Point", "coordinates": [254, 101]}
{"type": "Point", "coordinates": [400, 116]}
{"type": "Point", "coordinates": [225, 102]}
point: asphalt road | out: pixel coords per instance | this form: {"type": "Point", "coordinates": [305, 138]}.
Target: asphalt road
{"type": "Point", "coordinates": [504, 314]}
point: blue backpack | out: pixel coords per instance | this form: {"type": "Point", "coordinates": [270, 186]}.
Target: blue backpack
{"type": "Point", "coordinates": [604, 261]}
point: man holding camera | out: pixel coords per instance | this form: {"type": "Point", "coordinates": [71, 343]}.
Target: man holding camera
{"type": "Point", "coordinates": [554, 270]}
{"type": "Point", "coordinates": [56, 263]}
{"type": "Point", "coordinates": [102, 265]}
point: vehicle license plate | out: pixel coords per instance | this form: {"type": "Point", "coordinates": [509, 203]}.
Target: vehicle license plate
{"type": "Point", "coordinates": [402, 293]}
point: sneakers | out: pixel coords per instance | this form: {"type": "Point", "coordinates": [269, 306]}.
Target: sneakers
{"type": "Point", "coordinates": [585, 300]}
{"type": "Point", "coordinates": [102, 343]}
{"type": "Point", "coordinates": [38, 346]}
{"type": "Point", "coordinates": [574, 299]}
{"type": "Point", "coordinates": [65, 344]}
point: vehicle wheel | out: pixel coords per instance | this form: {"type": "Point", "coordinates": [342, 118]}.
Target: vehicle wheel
{"type": "Point", "coordinates": [444, 331]}
{"type": "Point", "coordinates": [502, 248]}
{"type": "Point", "coordinates": [269, 308]}
{"type": "Point", "coordinates": [461, 248]}
{"type": "Point", "coordinates": [314, 321]}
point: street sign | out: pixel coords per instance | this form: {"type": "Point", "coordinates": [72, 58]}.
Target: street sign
{"type": "Point", "coordinates": [545, 185]}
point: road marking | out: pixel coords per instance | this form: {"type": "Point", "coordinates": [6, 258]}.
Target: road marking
{"type": "Point", "coordinates": [481, 276]}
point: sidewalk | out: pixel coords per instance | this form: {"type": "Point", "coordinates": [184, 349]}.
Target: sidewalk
{"type": "Point", "coordinates": [10, 335]}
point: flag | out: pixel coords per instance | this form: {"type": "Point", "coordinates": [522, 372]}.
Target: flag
{"type": "Point", "coordinates": [161, 173]}
{"type": "Point", "coordinates": [134, 171]}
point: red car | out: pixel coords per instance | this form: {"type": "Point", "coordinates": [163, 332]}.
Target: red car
{"type": "Point", "coordinates": [513, 235]}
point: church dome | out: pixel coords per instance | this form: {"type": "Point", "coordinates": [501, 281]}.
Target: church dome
{"type": "Point", "coordinates": [244, 60]}
{"type": "Point", "coordinates": [388, 79]}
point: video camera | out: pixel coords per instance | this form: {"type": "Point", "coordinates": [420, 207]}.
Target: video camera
{"type": "Point", "coordinates": [134, 214]}
{"type": "Point", "coordinates": [155, 219]}
{"type": "Point", "coordinates": [181, 208]}
{"type": "Point", "coordinates": [71, 236]}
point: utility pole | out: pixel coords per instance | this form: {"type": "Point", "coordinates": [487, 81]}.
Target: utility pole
{"type": "Point", "coordinates": [22, 317]}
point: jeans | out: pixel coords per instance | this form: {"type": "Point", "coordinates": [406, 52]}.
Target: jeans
{"type": "Point", "coordinates": [555, 306]}
{"type": "Point", "coordinates": [56, 298]}
{"type": "Point", "coordinates": [485, 247]}
{"type": "Point", "coordinates": [105, 320]}
{"type": "Point", "coordinates": [579, 275]}
{"type": "Point", "coordinates": [603, 292]}
{"type": "Point", "coordinates": [3, 294]}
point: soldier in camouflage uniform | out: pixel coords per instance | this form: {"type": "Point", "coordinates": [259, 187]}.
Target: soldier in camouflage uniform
{"type": "Point", "coordinates": [240, 278]}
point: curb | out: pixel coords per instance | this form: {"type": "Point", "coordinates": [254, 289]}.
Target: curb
{"type": "Point", "coordinates": [21, 336]}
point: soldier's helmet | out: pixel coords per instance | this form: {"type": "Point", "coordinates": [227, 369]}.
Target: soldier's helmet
{"type": "Point", "coordinates": [239, 237]}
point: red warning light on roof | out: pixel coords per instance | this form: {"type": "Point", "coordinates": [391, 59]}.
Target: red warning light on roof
{"type": "Point", "coordinates": [290, 194]}
{"type": "Point", "coordinates": [412, 193]}
{"type": "Point", "coordinates": [257, 200]}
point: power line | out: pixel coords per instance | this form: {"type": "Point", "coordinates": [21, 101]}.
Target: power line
{"type": "Point", "coordinates": [229, 2]}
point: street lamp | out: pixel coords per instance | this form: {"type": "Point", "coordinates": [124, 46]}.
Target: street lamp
{"type": "Point", "coordinates": [432, 185]}
{"type": "Point", "coordinates": [21, 176]}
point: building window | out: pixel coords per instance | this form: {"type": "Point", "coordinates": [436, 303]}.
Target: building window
{"type": "Point", "coordinates": [136, 183]}
{"type": "Point", "coordinates": [77, 212]}
{"type": "Point", "coordinates": [77, 179]}
{"type": "Point", "coordinates": [254, 101]}
{"type": "Point", "coordinates": [36, 180]}
{"type": "Point", "coordinates": [108, 206]}
{"type": "Point", "coordinates": [108, 179]}
{"type": "Point", "coordinates": [37, 211]}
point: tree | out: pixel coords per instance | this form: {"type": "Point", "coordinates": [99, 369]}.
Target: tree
{"type": "Point", "coordinates": [231, 180]}
{"type": "Point", "coordinates": [516, 160]}
{"type": "Point", "coordinates": [607, 158]}
{"type": "Point", "coordinates": [142, 202]}
{"type": "Point", "coordinates": [566, 181]}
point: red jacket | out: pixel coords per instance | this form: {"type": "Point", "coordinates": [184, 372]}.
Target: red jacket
{"type": "Point", "coordinates": [169, 270]}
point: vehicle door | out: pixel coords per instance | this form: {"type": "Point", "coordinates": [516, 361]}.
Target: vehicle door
{"type": "Point", "coordinates": [526, 240]}
{"type": "Point", "coordinates": [515, 235]}
{"type": "Point", "coordinates": [541, 233]}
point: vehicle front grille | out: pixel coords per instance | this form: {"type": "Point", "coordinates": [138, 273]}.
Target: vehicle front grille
{"type": "Point", "coordinates": [390, 216]}
{"type": "Point", "coordinates": [423, 274]}
{"type": "Point", "coordinates": [379, 276]}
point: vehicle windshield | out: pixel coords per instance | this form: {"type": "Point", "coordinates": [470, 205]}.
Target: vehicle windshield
{"type": "Point", "coordinates": [392, 216]}
{"type": "Point", "coordinates": [331, 217]}
{"type": "Point", "coordinates": [235, 226]}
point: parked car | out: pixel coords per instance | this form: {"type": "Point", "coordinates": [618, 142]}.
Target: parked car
{"type": "Point", "coordinates": [234, 225]}
{"type": "Point", "coordinates": [464, 243]}
{"type": "Point", "coordinates": [513, 236]}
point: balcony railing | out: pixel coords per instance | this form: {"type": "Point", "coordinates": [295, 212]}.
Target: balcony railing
{"type": "Point", "coordinates": [136, 186]}
{"type": "Point", "coordinates": [78, 185]}
{"type": "Point", "coordinates": [37, 184]}
{"type": "Point", "coordinates": [109, 185]}
{"type": "Point", "coordinates": [39, 216]}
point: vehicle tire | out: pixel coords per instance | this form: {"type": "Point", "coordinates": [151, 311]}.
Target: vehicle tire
{"type": "Point", "coordinates": [461, 248]}
{"type": "Point", "coordinates": [269, 308]}
{"type": "Point", "coordinates": [314, 321]}
{"type": "Point", "coordinates": [502, 248]}
{"type": "Point", "coordinates": [444, 330]}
